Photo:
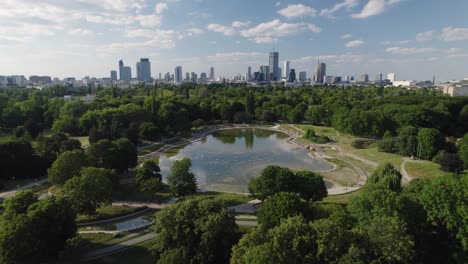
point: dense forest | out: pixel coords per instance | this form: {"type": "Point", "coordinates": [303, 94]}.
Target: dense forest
{"type": "Point", "coordinates": [424, 222]}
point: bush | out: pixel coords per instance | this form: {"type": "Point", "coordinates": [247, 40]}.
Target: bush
{"type": "Point", "coordinates": [312, 136]}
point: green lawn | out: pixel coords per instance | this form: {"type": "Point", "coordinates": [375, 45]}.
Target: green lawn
{"type": "Point", "coordinates": [137, 254]}
{"type": "Point", "coordinates": [130, 192]}
{"type": "Point", "coordinates": [150, 149]}
{"type": "Point", "coordinates": [108, 212]}
{"type": "Point", "coordinates": [341, 199]}
{"type": "Point", "coordinates": [231, 199]}
{"type": "Point", "coordinates": [424, 170]}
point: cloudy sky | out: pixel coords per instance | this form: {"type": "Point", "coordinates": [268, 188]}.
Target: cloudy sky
{"type": "Point", "coordinates": [414, 38]}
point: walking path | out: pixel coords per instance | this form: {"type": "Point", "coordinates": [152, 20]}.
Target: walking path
{"type": "Point", "coordinates": [11, 193]}
{"type": "Point", "coordinates": [99, 253]}
{"type": "Point", "coordinates": [403, 171]}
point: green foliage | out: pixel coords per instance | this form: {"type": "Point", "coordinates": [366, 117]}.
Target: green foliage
{"type": "Point", "coordinates": [448, 162]}
{"type": "Point", "coordinates": [148, 177]}
{"type": "Point", "coordinates": [279, 207]}
{"type": "Point", "coordinates": [464, 150]}
{"type": "Point", "coordinates": [118, 155]}
{"type": "Point", "coordinates": [312, 136]}
{"type": "Point", "coordinates": [52, 146]}
{"type": "Point", "coordinates": [91, 189]}
{"type": "Point", "coordinates": [429, 142]}
{"type": "Point", "coordinates": [387, 176]}
{"type": "Point", "coordinates": [181, 180]}
{"type": "Point", "coordinates": [67, 166]}
{"type": "Point", "coordinates": [18, 159]}
{"type": "Point", "coordinates": [38, 234]}
{"type": "Point", "coordinates": [445, 201]}
{"type": "Point", "coordinates": [195, 231]}
{"type": "Point", "coordinates": [274, 179]}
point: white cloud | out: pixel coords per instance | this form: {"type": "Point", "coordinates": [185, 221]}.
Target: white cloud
{"type": "Point", "coordinates": [195, 31]}
{"type": "Point", "coordinates": [81, 32]}
{"type": "Point", "coordinates": [355, 44]}
{"type": "Point", "coordinates": [346, 36]}
{"type": "Point", "coordinates": [345, 4]}
{"type": "Point", "coordinates": [454, 34]}
{"type": "Point", "coordinates": [398, 42]}
{"type": "Point", "coordinates": [260, 40]}
{"type": "Point", "coordinates": [425, 36]}
{"type": "Point", "coordinates": [293, 11]}
{"type": "Point", "coordinates": [453, 50]}
{"type": "Point", "coordinates": [406, 51]}
{"type": "Point", "coordinates": [238, 24]}
{"type": "Point", "coordinates": [275, 29]}
{"type": "Point", "coordinates": [149, 20]}
{"type": "Point", "coordinates": [227, 31]}
{"type": "Point", "coordinates": [374, 7]}
{"type": "Point", "coordinates": [160, 8]}
{"type": "Point", "coordinates": [458, 55]}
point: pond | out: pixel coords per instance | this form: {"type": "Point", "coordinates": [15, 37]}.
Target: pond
{"type": "Point", "coordinates": [127, 225]}
{"type": "Point", "coordinates": [226, 160]}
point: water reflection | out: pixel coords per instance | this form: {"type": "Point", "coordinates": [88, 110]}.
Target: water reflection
{"type": "Point", "coordinates": [226, 160]}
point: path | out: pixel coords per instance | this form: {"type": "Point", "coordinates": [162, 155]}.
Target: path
{"type": "Point", "coordinates": [139, 204]}
{"type": "Point", "coordinates": [11, 193]}
{"type": "Point", "coordinates": [117, 247]}
{"type": "Point", "coordinates": [403, 171]}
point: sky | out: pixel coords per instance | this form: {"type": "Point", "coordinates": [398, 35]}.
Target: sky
{"type": "Point", "coordinates": [416, 39]}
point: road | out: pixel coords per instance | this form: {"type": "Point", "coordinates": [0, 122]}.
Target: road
{"type": "Point", "coordinates": [11, 193]}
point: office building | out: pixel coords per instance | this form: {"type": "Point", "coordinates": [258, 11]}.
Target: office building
{"type": "Point", "coordinates": [40, 79]}
{"type": "Point", "coordinates": [178, 75]}
{"type": "Point", "coordinates": [144, 70]}
{"type": "Point", "coordinates": [286, 69]}
{"type": "Point", "coordinates": [113, 75]}
{"type": "Point", "coordinates": [328, 79]}
{"type": "Point", "coordinates": [391, 77]}
{"type": "Point", "coordinates": [203, 77]}
{"type": "Point", "coordinates": [320, 72]}
{"type": "Point", "coordinates": [265, 71]}
{"type": "Point", "coordinates": [212, 76]}
{"type": "Point", "coordinates": [292, 76]}
{"type": "Point", "coordinates": [378, 77]}
{"type": "Point", "coordinates": [364, 78]}
{"type": "Point", "coordinates": [249, 74]}
{"type": "Point", "coordinates": [302, 76]}
{"type": "Point", "coordinates": [194, 77]}
{"type": "Point", "coordinates": [125, 72]}
{"type": "Point", "coordinates": [273, 66]}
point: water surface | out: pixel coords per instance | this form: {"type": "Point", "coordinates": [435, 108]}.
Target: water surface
{"type": "Point", "coordinates": [226, 160]}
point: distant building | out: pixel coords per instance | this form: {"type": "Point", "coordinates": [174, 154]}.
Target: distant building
{"type": "Point", "coordinates": [328, 79]}
{"type": "Point", "coordinates": [337, 79]}
{"type": "Point", "coordinates": [144, 70]}
{"type": "Point", "coordinates": [292, 75]}
{"type": "Point", "coordinates": [404, 83]}
{"type": "Point", "coordinates": [364, 78]}
{"type": "Point", "coordinates": [303, 76]}
{"type": "Point", "coordinates": [194, 77]}
{"type": "Point", "coordinates": [320, 72]}
{"type": "Point", "coordinates": [391, 77]}
{"type": "Point", "coordinates": [249, 74]}
{"type": "Point", "coordinates": [273, 66]}
{"type": "Point", "coordinates": [212, 74]}
{"type": "Point", "coordinates": [265, 70]}
{"type": "Point", "coordinates": [457, 89]}
{"type": "Point", "coordinates": [203, 77]}
{"type": "Point", "coordinates": [286, 69]}
{"type": "Point", "coordinates": [378, 77]}
{"type": "Point", "coordinates": [125, 72]}
{"type": "Point", "coordinates": [40, 79]}
{"type": "Point", "coordinates": [178, 75]}
{"type": "Point", "coordinates": [113, 75]}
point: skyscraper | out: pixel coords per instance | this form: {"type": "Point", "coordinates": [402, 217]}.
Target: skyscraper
{"type": "Point", "coordinates": [203, 77]}
{"type": "Point", "coordinates": [212, 73]}
{"type": "Point", "coordinates": [292, 76]}
{"type": "Point", "coordinates": [249, 74]}
{"type": "Point", "coordinates": [265, 71]}
{"type": "Point", "coordinates": [391, 77]}
{"type": "Point", "coordinates": [121, 65]}
{"type": "Point", "coordinates": [378, 77]}
{"type": "Point", "coordinates": [178, 75]}
{"type": "Point", "coordinates": [113, 75]}
{"type": "Point", "coordinates": [302, 76]}
{"type": "Point", "coordinates": [364, 78]}
{"type": "Point", "coordinates": [273, 65]}
{"type": "Point", "coordinates": [144, 70]}
{"type": "Point", "coordinates": [286, 69]}
{"type": "Point", "coordinates": [320, 72]}
{"type": "Point", "coordinates": [125, 72]}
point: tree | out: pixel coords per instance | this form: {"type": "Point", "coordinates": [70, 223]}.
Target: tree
{"type": "Point", "coordinates": [444, 200]}
{"type": "Point", "coordinates": [19, 203]}
{"type": "Point", "coordinates": [118, 155]}
{"type": "Point", "coordinates": [429, 142]}
{"type": "Point", "coordinates": [449, 162]}
{"type": "Point", "coordinates": [37, 235]}
{"type": "Point", "coordinates": [17, 159]}
{"type": "Point", "coordinates": [293, 241]}
{"type": "Point", "coordinates": [148, 177]}
{"type": "Point", "coordinates": [310, 186]}
{"type": "Point", "coordinates": [281, 206]}
{"type": "Point", "coordinates": [181, 180]}
{"type": "Point", "coordinates": [273, 180]}
{"type": "Point", "coordinates": [464, 150]}
{"type": "Point", "coordinates": [195, 231]}
{"type": "Point", "coordinates": [387, 176]}
{"type": "Point", "coordinates": [67, 166]}
{"type": "Point", "coordinates": [250, 105]}
{"type": "Point", "coordinates": [52, 146]}
{"type": "Point", "coordinates": [90, 190]}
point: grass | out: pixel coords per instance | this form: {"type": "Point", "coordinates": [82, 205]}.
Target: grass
{"type": "Point", "coordinates": [342, 198]}
{"type": "Point", "coordinates": [83, 140]}
{"type": "Point", "coordinates": [150, 149]}
{"type": "Point", "coordinates": [130, 192]}
{"type": "Point", "coordinates": [109, 212]}
{"type": "Point", "coordinates": [137, 254]}
{"type": "Point", "coordinates": [230, 199]}
{"type": "Point", "coordinates": [173, 151]}
{"type": "Point", "coordinates": [424, 170]}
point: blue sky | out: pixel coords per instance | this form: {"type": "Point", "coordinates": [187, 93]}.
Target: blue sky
{"type": "Point", "coordinates": [414, 38]}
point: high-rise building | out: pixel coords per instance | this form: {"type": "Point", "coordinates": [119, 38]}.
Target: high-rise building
{"type": "Point", "coordinates": [178, 75]}
{"type": "Point", "coordinates": [39, 79]}
{"type": "Point", "coordinates": [265, 71]}
{"type": "Point", "coordinates": [302, 76]}
{"type": "Point", "coordinates": [280, 73]}
{"type": "Point", "coordinates": [160, 76]}
{"type": "Point", "coordinates": [121, 65]}
{"type": "Point", "coordinates": [125, 72]}
{"type": "Point", "coordinates": [194, 77]}
{"type": "Point", "coordinates": [292, 75]}
{"type": "Point", "coordinates": [391, 77]}
{"type": "Point", "coordinates": [320, 72]}
{"type": "Point", "coordinates": [144, 70]}
{"type": "Point", "coordinates": [203, 77]}
{"type": "Point", "coordinates": [113, 75]}
{"type": "Point", "coordinates": [212, 76]}
{"type": "Point", "coordinates": [286, 69]}
{"type": "Point", "coordinates": [249, 74]}
{"type": "Point", "coordinates": [364, 78]}
{"type": "Point", "coordinates": [378, 77]}
{"type": "Point", "coordinates": [274, 61]}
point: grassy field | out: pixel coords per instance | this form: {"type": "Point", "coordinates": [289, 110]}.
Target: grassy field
{"type": "Point", "coordinates": [138, 254]}
{"type": "Point", "coordinates": [108, 212]}
{"type": "Point", "coordinates": [424, 170]}
{"type": "Point", "coordinates": [341, 199]}
{"type": "Point", "coordinates": [130, 192]}
{"type": "Point", "coordinates": [230, 199]}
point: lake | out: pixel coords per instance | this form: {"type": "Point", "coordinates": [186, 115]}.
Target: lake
{"type": "Point", "coordinates": [226, 160]}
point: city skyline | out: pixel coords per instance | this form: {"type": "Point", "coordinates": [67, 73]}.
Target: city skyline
{"type": "Point", "coordinates": [85, 37]}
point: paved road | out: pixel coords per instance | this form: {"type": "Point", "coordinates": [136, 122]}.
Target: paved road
{"type": "Point", "coordinates": [11, 193]}
{"type": "Point", "coordinates": [117, 247]}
